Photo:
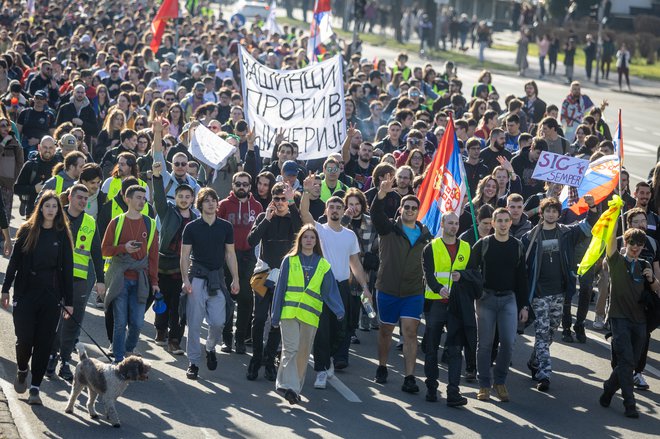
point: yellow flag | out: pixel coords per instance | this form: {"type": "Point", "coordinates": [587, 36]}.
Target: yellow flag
{"type": "Point", "coordinates": [601, 234]}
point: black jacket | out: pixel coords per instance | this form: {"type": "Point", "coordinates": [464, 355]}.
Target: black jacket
{"type": "Point", "coordinates": [276, 236]}
{"type": "Point", "coordinates": [33, 172]}
{"type": "Point", "coordinates": [67, 112]}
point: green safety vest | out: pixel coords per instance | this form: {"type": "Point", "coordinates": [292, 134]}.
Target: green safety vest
{"type": "Point", "coordinates": [474, 88]}
{"type": "Point", "coordinates": [151, 230]}
{"type": "Point", "coordinates": [304, 302]}
{"type": "Point", "coordinates": [83, 248]}
{"type": "Point", "coordinates": [325, 190]}
{"type": "Point", "coordinates": [443, 266]}
{"type": "Point", "coordinates": [115, 187]}
{"type": "Point", "coordinates": [59, 184]}
{"type": "Point", "coordinates": [405, 73]}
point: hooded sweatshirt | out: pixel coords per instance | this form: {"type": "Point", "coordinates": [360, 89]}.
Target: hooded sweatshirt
{"type": "Point", "coordinates": [241, 215]}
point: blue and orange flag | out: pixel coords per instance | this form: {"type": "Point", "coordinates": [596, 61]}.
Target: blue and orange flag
{"type": "Point", "coordinates": [444, 186]}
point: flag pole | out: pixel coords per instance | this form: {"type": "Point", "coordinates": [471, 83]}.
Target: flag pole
{"type": "Point", "coordinates": [619, 149]}
{"type": "Point", "coordinates": [474, 219]}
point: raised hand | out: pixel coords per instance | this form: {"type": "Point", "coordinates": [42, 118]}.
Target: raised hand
{"type": "Point", "coordinates": [387, 185]}
{"type": "Point", "coordinates": [505, 163]}
{"type": "Point", "coordinates": [309, 182]}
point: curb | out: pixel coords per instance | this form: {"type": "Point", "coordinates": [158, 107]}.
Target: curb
{"type": "Point", "coordinates": [8, 428]}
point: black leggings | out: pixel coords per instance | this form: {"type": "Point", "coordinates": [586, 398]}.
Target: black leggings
{"type": "Point", "coordinates": [36, 315]}
{"type": "Point", "coordinates": [623, 71]}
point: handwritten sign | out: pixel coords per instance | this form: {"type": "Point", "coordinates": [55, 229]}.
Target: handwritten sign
{"type": "Point", "coordinates": [562, 169]}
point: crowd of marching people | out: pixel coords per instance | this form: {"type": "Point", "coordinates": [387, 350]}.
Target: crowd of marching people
{"type": "Point", "coordinates": [285, 258]}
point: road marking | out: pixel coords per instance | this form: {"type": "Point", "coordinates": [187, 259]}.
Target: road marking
{"type": "Point", "coordinates": [649, 369]}
{"type": "Point", "coordinates": [339, 386]}
{"type": "Point", "coordinates": [640, 145]}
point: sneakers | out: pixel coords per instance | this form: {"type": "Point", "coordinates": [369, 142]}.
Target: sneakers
{"type": "Point", "coordinates": [580, 335]}
{"type": "Point", "coordinates": [483, 394]}
{"type": "Point", "coordinates": [51, 366]}
{"type": "Point", "coordinates": [240, 347]}
{"type": "Point", "coordinates": [431, 395]}
{"type": "Point", "coordinates": [192, 372]}
{"type": "Point", "coordinates": [381, 374]}
{"type": "Point", "coordinates": [161, 337]}
{"type": "Point", "coordinates": [456, 400]}
{"type": "Point", "coordinates": [543, 385]}
{"type": "Point", "coordinates": [502, 392]}
{"type": "Point", "coordinates": [567, 336]}
{"type": "Point", "coordinates": [291, 396]}
{"type": "Point", "coordinates": [20, 383]}
{"type": "Point", "coordinates": [34, 398]}
{"type": "Point", "coordinates": [226, 348]}
{"type": "Point", "coordinates": [321, 380]}
{"type": "Point", "coordinates": [599, 323]}
{"type": "Point", "coordinates": [211, 360]}
{"type": "Point", "coordinates": [640, 382]}
{"type": "Point", "coordinates": [340, 364]}
{"type": "Point", "coordinates": [409, 384]}
{"type": "Point", "coordinates": [174, 348]}
{"type": "Point", "coordinates": [470, 376]}
{"type": "Point", "coordinates": [99, 302]}
{"type": "Point", "coordinates": [631, 412]}
{"type": "Point", "coordinates": [354, 339]}
{"type": "Point", "coordinates": [270, 372]}
{"type": "Point", "coordinates": [253, 370]}
{"type": "Point", "coordinates": [65, 372]}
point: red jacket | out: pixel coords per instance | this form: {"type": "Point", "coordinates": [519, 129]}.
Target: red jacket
{"type": "Point", "coordinates": [241, 216]}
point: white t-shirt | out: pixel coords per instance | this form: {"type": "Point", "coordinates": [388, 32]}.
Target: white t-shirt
{"type": "Point", "coordinates": [337, 249]}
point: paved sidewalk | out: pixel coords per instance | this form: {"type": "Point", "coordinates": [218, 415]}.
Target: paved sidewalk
{"type": "Point", "coordinates": [8, 428]}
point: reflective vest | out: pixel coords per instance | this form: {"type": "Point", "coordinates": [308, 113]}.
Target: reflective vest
{"type": "Point", "coordinates": [443, 266]}
{"type": "Point", "coordinates": [405, 72]}
{"type": "Point", "coordinates": [325, 190]}
{"type": "Point", "coordinates": [304, 302]}
{"type": "Point", "coordinates": [83, 248]}
{"type": "Point", "coordinates": [474, 89]}
{"type": "Point", "coordinates": [59, 184]}
{"type": "Point", "coordinates": [151, 230]}
{"type": "Point", "coordinates": [117, 210]}
{"type": "Point", "coordinates": [115, 187]}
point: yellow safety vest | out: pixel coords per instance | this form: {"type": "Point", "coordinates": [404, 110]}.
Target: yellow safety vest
{"type": "Point", "coordinates": [115, 187]}
{"type": "Point", "coordinates": [117, 210]}
{"type": "Point", "coordinates": [325, 190]}
{"type": "Point", "coordinates": [83, 248]}
{"type": "Point", "coordinates": [405, 73]}
{"type": "Point", "coordinates": [304, 302]}
{"type": "Point", "coordinates": [474, 88]}
{"type": "Point", "coordinates": [443, 266]}
{"type": "Point", "coordinates": [118, 228]}
{"type": "Point", "coordinates": [59, 184]}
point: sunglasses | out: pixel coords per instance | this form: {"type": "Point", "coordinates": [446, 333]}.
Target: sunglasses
{"type": "Point", "coordinates": [114, 71]}
{"type": "Point", "coordinates": [332, 169]}
{"type": "Point", "coordinates": [410, 207]}
{"type": "Point", "coordinates": [79, 139]}
{"type": "Point", "coordinates": [238, 184]}
{"type": "Point", "coordinates": [278, 199]}
{"type": "Point", "coordinates": [180, 164]}
{"type": "Point", "coordinates": [214, 128]}
{"type": "Point", "coordinates": [4, 125]}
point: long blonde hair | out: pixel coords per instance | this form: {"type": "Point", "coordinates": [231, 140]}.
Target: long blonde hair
{"type": "Point", "coordinates": [107, 122]}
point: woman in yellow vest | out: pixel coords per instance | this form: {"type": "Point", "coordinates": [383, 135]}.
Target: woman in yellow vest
{"type": "Point", "coordinates": [305, 284]}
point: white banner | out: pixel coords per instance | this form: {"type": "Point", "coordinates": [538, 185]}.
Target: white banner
{"type": "Point", "coordinates": [562, 169]}
{"type": "Point", "coordinates": [210, 149]}
{"type": "Point", "coordinates": [308, 104]}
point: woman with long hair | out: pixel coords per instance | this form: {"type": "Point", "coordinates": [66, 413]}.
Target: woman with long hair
{"type": "Point", "coordinates": [41, 271]}
{"type": "Point", "coordinates": [101, 103]}
{"type": "Point", "coordinates": [177, 119]}
{"type": "Point", "coordinates": [305, 284]}
{"type": "Point", "coordinates": [416, 162]}
{"type": "Point", "coordinates": [108, 138]}
{"type": "Point", "coordinates": [477, 109]}
{"type": "Point", "coordinates": [486, 192]}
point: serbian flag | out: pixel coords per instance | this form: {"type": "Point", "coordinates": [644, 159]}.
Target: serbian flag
{"type": "Point", "coordinates": [271, 25]}
{"type": "Point", "coordinates": [169, 9]}
{"type": "Point", "coordinates": [618, 140]}
{"type": "Point", "coordinates": [600, 180]}
{"type": "Point", "coordinates": [601, 233]}
{"type": "Point", "coordinates": [444, 186]}
{"type": "Point", "coordinates": [320, 30]}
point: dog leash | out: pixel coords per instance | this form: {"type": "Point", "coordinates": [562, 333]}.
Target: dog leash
{"type": "Point", "coordinates": [87, 333]}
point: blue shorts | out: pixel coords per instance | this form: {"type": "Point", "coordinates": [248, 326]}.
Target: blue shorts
{"type": "Point", "coordinates": [392, 308]}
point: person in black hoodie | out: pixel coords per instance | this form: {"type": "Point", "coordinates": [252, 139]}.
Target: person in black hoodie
{"type": "Point", "coordinates": [34, 174]}
{"type": "Point", "coordinates": [41, 270]}
{"type": "Point", "coordinates": [79, 112]}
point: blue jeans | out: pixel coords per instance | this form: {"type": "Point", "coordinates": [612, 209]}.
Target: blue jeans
{"type": "Point", "coordinates": [501, 312]}
{"type": "Point", "coordinates": [127, 310]}
{"type": "Point", "coordinates": [542, 64]}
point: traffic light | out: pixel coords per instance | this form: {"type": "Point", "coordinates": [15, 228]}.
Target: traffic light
{"type": "Point", "coordinates": [360, 5]}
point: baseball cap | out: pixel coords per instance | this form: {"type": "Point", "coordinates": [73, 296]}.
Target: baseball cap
{"type": "Point", "coordinates": [211, 68]}
{"type": "Point", "coordinates": [199, 84]}
{"type": "Point", "coordinates": [68, 140]}
{"type": "Point", "coordinates": [41, 94]}
{"type": "Point", "coordinates": [290, 168]}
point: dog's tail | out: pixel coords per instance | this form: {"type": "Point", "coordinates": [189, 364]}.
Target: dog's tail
{"type": "Point", "coordinates": [82, 353]}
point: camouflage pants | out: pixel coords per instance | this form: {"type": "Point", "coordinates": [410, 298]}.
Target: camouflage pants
{"type": "Point", "coordinates": [548, 311]}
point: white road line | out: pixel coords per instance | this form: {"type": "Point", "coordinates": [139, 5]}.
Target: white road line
{"type": "Point", "coordinates": [339, 386]}
{"type": "Point", "coordinates": [601, 339]}
{"type": "Point", "coordinates": [636, 144]}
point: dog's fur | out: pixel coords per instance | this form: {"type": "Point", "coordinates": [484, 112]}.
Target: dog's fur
{"type": "Point", "coordinates": [107, 381]}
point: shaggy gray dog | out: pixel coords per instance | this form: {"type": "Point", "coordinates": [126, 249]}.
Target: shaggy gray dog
{"type": "Point", "coordinates": [107, 381]}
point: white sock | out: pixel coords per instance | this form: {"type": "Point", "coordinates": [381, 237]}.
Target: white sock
{"type": "Point", "coordinates": [34, 387]}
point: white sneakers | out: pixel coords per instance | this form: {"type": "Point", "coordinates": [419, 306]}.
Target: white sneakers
{"type": "Point", "coordinates": [321, 380]}
{"type": "Point", "coordinates": [599, 323]}
{"type": "Point", "coordinates": [640, 382]}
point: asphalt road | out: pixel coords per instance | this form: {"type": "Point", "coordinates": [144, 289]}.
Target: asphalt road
{"type": "Point", "coordinates": [224, 404]}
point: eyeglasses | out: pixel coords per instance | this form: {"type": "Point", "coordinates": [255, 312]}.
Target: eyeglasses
{"type": "Point", "coordinates": [244, 184]}
{"type": "Point", "coordinates": [180, 164]}
{"type": "Point", "coordinates": [114, 71]}
{"type": "Point", "coordinates": [78, 138]}
{"type": "Point", "coordinates": [410, 207]}
{"type": "Point", "coordinates": [332, 169]}
{"type": "Point", "coordinates": [279, 199]}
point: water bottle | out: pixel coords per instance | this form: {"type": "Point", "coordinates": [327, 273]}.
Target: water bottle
{"type": "Point", "coordinates": [159, 305]}
{"type": "Point", "coordinates": [368, 307]}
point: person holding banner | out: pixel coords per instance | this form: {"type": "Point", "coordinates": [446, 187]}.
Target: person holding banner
{"type": "Point", "coordinates": [550, 260]}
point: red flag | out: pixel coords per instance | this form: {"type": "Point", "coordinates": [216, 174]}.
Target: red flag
{"type": "Point", "coordinates": [169, 9]}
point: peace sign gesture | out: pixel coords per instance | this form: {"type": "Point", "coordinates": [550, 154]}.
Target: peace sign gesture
{"type": "Point", "coordinates": [386, 186]}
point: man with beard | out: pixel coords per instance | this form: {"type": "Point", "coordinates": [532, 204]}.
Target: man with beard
{"type": "Point", "coordinates": [341, 248]}
{"type": "Point", "coordinates": [371, 124]}
{"type": "Point", "coordinates": [240, 209]}
{"type": "Point", "coordinates": [495, 149]}
{"type": "Point", "coordinates": [360, 167]}
{"type": "Point", "coordinates": [126, 167]}
{"type": "Point", "coordinates": [79, 112]}
{"type": "Point", "coordinates": [643, 197]}
{"type": "Point", "coordinates": [34, 174]}
{"type": "Point", "coordinates": [533, 107]}
{"type": "Point", "coordinates": [193, 100]}
{"type": "Point", "coordinates": [127, 143]}
{"type": "Point", "coordinates": [573, 109]}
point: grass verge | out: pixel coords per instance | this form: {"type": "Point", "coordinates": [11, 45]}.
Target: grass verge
{"type": "Point", "coordinates": [460, 59]}
{"type": "Point", "coordinates": [638, 66]}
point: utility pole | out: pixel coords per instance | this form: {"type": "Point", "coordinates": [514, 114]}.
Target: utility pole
{"type": "Point", "coordinates": [599, 51]}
